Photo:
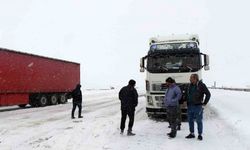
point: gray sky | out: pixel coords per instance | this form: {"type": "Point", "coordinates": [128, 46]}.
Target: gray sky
{"type": "Point", "coordinates": [109, 37]}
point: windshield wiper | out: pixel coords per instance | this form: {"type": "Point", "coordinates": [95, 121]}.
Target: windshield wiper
{"type": "Point", "coordinates": [162, 67]}
{"type": "Point", "coordinates": [190, 68]}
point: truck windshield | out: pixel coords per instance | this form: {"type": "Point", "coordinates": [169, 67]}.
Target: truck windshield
{"type": "Point", "coordinates": [174, 63]}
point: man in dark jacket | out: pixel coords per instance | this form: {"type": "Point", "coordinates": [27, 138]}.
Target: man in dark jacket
{"type": "Point", "coordinates": [129, 100]}
{"type": "Point", "coordinates": [195, 95]}
{"type": "Point", "coordinates": [77, 101]}
{"type": "Point", "coordinates": [171, 100]}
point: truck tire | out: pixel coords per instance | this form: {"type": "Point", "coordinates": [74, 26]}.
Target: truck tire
{"type": "Point", "coordinates": [62, 99]}
{"type": "Point", "coordinates": [22, 105]}
{"type": "Point", "coordinates": [43, 101]}
{"type": "Point", "coordinates": [53, 99]}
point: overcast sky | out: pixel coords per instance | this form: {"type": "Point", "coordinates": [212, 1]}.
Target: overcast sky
{"type": "Point", "coordinates": [109, 37]}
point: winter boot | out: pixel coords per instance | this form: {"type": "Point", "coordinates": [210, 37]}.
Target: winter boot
{"type": "Point", "coordinates": [200, 137]}
{"type": "Point", "coordinates": [172, 134]}
{"type": "Point", "coordinates": [122, 131]}
{"type": "Point", "coordinates": [80, 114]}
{"type": "Point", "coordinates": [190, 136]}
{"type": "Point", "coordinates": [72, 117]}
{"type": "Point", "coordinates": [130, 133]}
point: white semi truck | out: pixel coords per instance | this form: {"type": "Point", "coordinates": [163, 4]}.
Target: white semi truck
{"type": "Point", "coordinates": [176, 56]}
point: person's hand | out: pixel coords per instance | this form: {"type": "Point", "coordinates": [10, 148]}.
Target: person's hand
{"type": "Point", "coordinates": [204, 105]}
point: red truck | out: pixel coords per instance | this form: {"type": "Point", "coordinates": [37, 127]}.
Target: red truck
{"type": "Point", "coordinates": [35, 80]}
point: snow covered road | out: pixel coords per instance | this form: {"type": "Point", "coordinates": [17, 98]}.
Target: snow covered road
{"type": "Point", "coordinates": [226, 126]}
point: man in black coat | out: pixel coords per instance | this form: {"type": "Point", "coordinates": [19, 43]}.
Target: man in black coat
{"type": "Point", "coordinates": [77, 101]}
{"type": "Point", "coordinates": [195, 101]}
{"type": "Point", "coordinates": [129, 100]}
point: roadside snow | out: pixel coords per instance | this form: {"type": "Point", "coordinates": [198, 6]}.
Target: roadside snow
{"type": "Point", "coordinates": [233, 108]}
{"type": "Point", "coordinates": [226, 126]}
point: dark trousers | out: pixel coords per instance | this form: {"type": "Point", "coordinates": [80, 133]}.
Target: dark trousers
{"type": "Point", "coordinates": [195, 113]}
{"type": "Point", "coordinates": [74, 108]}
{"type": "Point", "coordinates": [172, 114]}
{"type": "Point", "coordinates": [179, 116]}
{"type": "Point", "coordinates": [131, 115]}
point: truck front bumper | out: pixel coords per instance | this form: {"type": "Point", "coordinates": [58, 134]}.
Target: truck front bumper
{"type": "Point", "coordinates": [156, 111]}
{"type": "Point", "coordinates": [162, 111]}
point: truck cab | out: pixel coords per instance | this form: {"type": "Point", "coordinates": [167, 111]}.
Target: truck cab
{"type": "Point", "coordinates": [176, 56]}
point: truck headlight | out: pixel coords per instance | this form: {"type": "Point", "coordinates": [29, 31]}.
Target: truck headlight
{"type": "Point", "coordinates": [150, 100]}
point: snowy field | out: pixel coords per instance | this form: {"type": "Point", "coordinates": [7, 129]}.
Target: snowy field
{"type": "Point", "coordinates": [226, 126]}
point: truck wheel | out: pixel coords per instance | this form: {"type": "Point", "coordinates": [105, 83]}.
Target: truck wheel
{"type": "Point", "coordinates": [53, 100]}
{"type": "Point", "coordinates": [63, 99]}
{"type": "Point", "coordinates": [22, 105]}
{"type": "Point", "coordinates": [43, 101]}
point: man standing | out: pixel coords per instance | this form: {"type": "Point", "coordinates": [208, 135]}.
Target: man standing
{"type": "Point", "coordinates": [129, 100]}
{"type": "Point", "coordinates": [77, 101]}
{"type": "Point", "coordinates": [171, 100]}
{"type": "Point", "coordinates": [195, 95]}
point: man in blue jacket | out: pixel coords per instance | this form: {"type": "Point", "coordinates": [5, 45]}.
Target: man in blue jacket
{"type": "Point", "coordinates": [195, 95]}
{"type": "Point", "coordinates": [171, 100]}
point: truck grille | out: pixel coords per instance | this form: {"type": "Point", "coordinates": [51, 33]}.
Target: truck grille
{"type": "Point", "coordinates": [159, 87]}
{"type": "Point", "coordinates": [159, 101]}
{"type": "Point", "coordinates": [163, 87]}
{"type": "Point", "coordinates": [159, 98]}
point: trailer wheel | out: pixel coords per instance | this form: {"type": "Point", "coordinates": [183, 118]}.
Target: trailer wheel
{"type": "Point", "coordinates": [53, 100]}
{"type": "Point", "coordinates": [43, 101]}
{"type": "Point", "coordinates": [63, 99]}
{"type": "Point", "coordinates": [22, 105]}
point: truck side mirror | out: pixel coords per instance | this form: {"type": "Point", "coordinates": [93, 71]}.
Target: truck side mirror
{"type": "Point", "coordinates": [142, 66]}
{"type": "Point", "coordinates": [206, 62]}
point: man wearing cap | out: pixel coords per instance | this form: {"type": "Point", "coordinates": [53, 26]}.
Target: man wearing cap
{"type": "Point", "coordinates": [171, 100]}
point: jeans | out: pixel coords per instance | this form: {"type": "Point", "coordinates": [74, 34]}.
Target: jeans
{"type": "Point", "coordinates": [195, 112]}
{"type": "Point", "coordinates": [131, 114]}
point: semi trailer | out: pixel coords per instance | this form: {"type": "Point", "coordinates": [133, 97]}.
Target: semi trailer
{"type": "Point", "coordinates": [176, 56]}
{"type": "Point", "coordinates": [36, 80]}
